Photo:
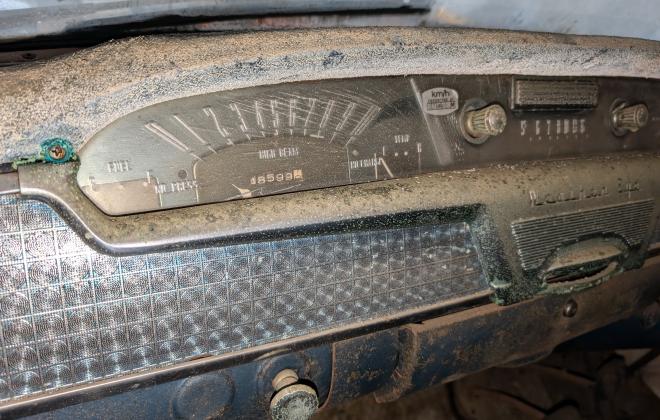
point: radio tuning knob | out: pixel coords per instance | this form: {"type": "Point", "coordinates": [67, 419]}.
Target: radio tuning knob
{"type": "Point", "coordinates": [484, 122]}
{"type": "Point", "coordinates": [630, 118]}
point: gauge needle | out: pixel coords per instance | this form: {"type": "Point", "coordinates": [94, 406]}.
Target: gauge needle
{"type": "Point", "coordinates": [387, 168]}
{"type": "Point", "coordinates": [245, 193]}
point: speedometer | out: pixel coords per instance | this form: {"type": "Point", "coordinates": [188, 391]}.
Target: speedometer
{"type": "Point", "coordinates": [254, 142]}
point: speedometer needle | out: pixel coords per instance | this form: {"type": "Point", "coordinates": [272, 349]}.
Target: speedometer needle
{"type": "Point", "coordinates": [387, 168]}
{"type": "Point", "coordinates": [245, 193]}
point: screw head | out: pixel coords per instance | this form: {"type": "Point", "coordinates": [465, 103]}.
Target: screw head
{"type": "Point", "coordinates": [57, 152]}
{"type": "Point", "coordinates": [570, 309]}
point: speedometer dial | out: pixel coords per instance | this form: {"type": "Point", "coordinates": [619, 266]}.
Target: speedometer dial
{"type": "Point", "coordinates": [254, 142]}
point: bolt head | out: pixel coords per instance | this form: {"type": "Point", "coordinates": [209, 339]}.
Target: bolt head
{"type": "Point", "coordinates": [295, 402]}
{"type": "Point", "coordinates": [570, 309]}
{"type": "Point", "coordinates": [57, 152]}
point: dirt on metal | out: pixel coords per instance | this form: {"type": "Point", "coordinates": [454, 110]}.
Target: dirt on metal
{"type": "Point", "coordinates": [74, 96]}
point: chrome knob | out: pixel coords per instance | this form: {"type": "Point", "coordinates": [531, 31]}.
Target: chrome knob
{"type": "Point", "coordinates": [487, 121]}
{"type": "Point", "coordinates": [292, 400]}
{"type": "Point", "coordinates": [630, 118]}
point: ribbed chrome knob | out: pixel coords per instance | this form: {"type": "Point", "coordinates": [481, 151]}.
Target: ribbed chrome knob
{"type": "Point", "coordinates": [488, 121]}
{"type": "Point", "coordinates": [630, 118]}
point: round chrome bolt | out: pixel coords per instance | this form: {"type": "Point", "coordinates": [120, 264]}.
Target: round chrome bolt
{"type": "Point", "coordinates": [570, 309]}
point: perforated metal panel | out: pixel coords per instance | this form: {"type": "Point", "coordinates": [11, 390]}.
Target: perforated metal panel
{"type": "Point", "coordinates": [72, 315]}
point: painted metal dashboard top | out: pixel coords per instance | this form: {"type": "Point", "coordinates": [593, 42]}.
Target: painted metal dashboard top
{"type": "Point", "coordinates": [299, 136]}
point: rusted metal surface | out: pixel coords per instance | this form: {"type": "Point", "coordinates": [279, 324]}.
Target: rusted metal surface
{"type": "Point", "coordinates": [362, 364]}
{"type": "Point", "coordinates": [445, 349]}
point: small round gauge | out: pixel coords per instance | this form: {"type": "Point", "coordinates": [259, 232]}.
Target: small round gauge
{"type": "Point", "coordinates": [256, 142]}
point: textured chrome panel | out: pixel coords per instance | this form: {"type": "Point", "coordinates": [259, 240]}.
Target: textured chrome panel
{"type": "Point", "coordinates": [71, 315]}
{"type": "Point", "coordinates": [555, 94]}
{"type": "Point", "coordinates": [537, 238]}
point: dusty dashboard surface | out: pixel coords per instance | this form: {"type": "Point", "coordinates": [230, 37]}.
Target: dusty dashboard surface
{"type": "Point", "coordinates": [236, 207]}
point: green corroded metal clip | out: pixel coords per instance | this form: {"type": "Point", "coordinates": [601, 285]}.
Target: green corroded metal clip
{"type": "Point", "coordinates": [56, 150]}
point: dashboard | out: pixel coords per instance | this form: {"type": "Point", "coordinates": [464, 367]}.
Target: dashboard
{"type": "Point", "coordinates": [256, 223]}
